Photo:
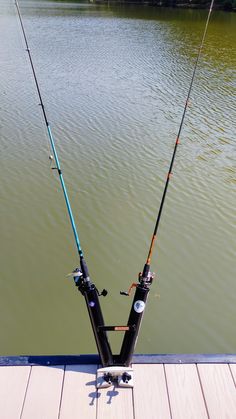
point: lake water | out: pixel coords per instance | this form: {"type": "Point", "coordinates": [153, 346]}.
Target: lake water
{"type": "Point", "coordinates": [114, 81]}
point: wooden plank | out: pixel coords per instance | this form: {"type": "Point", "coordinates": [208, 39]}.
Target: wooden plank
{"type": "Point", "coordinates": [185, 394]}
{"type": "Point", "coordinates": [115, 402]}
{"type": "Point", "coordinates": [79, 397]}
{"type": "Point", "coordinates": [13, 384]}
{"type": "Point", "coordinates": [150, 392]}
{"type": "Point", "coordinates": [44, 393]}
{"type": "Point", "coordinates": [233, 371]}
{"type": "Point", "coordinates": [219, 390]}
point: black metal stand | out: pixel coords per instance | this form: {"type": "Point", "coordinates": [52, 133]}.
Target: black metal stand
{"type": "Point", "coordinates": [135, 318]}
{"type": "Point", "coordinates": [91, 294]}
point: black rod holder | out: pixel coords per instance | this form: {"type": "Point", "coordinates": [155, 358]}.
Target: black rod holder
{"type": "Point", "coordinates": [97, 322]}
{"type": "Point", "coordinates": [91, 295]}
{"type": "Point", "coordinates": [134, 323]}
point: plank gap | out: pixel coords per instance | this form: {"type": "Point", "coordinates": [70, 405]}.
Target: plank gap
{"type": "Point", "coordinates": [152, 379]}
{"type": "Point", "coordinates": [79, 397]}
{"type": "Point", "coordinates": [185, 392]}
{"type": "Point", "coordinates": [62, 388]}
{"type": "Point", "coordinates": [44, 392]}
{"type": "Point", "coordinates": [203, 394]}
{"type": "Point", "coordinates": [219, 389]}
{"type": "Point", "coordinates": [13, 385]}
{"type": "Point", "coordinates": [25, 393]}
{"type": "Point", "coordinates": [167, 389]}
{"type": "Point", "coordinates": [232, 368]}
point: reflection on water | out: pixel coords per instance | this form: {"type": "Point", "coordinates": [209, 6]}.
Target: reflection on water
{"type": "Point", "coordinates": [114, 81]}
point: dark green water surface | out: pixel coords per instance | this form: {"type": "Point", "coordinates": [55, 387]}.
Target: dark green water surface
{"type": "Point", "coordinates": [114, 82]}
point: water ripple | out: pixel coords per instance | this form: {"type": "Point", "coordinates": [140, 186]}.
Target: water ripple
{"type": "Point", "coordinates": [114, 82]}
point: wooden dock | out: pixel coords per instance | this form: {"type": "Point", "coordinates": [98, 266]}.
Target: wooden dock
{"type": "Point", "coordinates": [166, 387]}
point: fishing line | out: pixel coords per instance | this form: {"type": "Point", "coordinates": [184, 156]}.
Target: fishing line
{"type": "Point", "coordinates": [154, 236]}
{"type": "Point", "coordinates": [51, 140]}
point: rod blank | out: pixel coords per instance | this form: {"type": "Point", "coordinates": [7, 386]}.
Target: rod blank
{"type": "Point", "coordinates": [51, 139]}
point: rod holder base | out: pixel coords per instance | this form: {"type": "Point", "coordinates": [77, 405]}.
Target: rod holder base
{"type": "Point", "coordinates": [121, 376]}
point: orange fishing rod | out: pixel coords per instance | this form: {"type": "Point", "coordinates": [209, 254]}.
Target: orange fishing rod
{"type": "Point", "coordinates": [154, 236]}
{"type": "Point", "coordinates": [146, 276]}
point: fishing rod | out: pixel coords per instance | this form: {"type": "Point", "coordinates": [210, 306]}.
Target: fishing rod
{"type": "Point", "coordinates": [52, 143]}
{"type": "Point", "coordinates": [115, 367]}
{"type": "Point", "coordinates": [80, 275]}
{"type": "Point", "coordinates": [146, 276]}
{"type": "Point", "coordinates": [148, 261]}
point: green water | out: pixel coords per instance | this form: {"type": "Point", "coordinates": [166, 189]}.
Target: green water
{"type": "Point", "coordinates": [114, 82]}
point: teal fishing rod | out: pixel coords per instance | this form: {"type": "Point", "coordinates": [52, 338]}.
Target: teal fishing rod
{"type": "Point", "coordinates": [52, 143]}
{"type": "Point", "coordinates": [80, 275]}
